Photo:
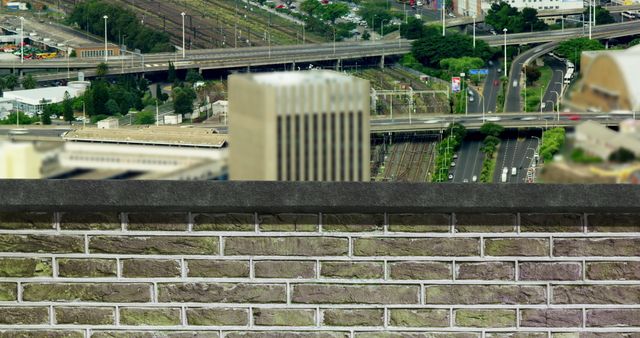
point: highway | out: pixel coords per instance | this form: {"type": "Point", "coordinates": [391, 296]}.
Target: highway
{"type": "Point", "coordinates": [491, 87]}
{"type": "Point", "coordinates": [554, 89]}
{"type": "Point", "coordinates": [514, 153]}
{"type": "Point", "coordinates": [469, 161]}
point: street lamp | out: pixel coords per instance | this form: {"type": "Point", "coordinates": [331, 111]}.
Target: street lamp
{"type": "Point", "coordinates": [105, 38]}
{"type": "Point", "coordinates": [334, 40]}
{"type": "Point", "coordinates": [21, 39]}
{"type": "Point", "coordinates": [557, 103]}
{"type": "Point", "coordinates": [504, 30]}
{"type": "Point", "coordinates": [466, 99]}
{"type": "Point", "coordinates": [474, 32]}
{"type": "Point", "coordinates": [382, 28]}
{"type": "Point", "coordinates": [443, 17]}
{"type": "Point", "coordinates": [182, 14]}
{"type": "Point", "coordinates": [561, 79]}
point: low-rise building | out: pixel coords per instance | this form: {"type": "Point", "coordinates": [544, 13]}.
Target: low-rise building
{"type": "Point", "coordinates": [108, 123]}
{"type": "Point", "coordinates": [32, 101]}
{"type": "Point", "coordinates": [96, 50]}
{"type": "Point", "coordinates": [601, 141]}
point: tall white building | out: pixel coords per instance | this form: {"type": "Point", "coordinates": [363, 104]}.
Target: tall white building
{"type": "Point", "coordinates": [299, 126]}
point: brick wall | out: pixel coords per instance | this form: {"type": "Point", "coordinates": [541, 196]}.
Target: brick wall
{"type": "Point", "coordinates": [179, 274]}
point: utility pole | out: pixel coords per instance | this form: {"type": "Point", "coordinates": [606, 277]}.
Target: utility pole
{"type": "Point", "coordinates": [474, 32]}
{"type": "Point", "coordinates": [183, 14]}
{"type": "Point", "coordinates": [105, 37]}
{"type": "Point", "coordinates": [505, 51]}
{"type": "Point", "coordinates": [443, 17]}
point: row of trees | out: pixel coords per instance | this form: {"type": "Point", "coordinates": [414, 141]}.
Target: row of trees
{"type": "Point", "coordinates": [452, 139]}
{"type": "Point", "coordinates": [501, 15]}
{"type": "Point", "coordinates": [433, 48]}
{"type": "Point", "coordinates": [489, 147]}
{"type": "Point", "coordinates": [89, 16]}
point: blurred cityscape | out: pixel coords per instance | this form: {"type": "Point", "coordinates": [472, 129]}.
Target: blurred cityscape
{"type": "Point", "coordinates": [380, 90]}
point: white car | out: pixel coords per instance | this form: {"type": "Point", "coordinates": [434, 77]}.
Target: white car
{"type": "Point", "coordinates": [474, 178]}
{"type": "Point", "coordinates": [493, 119]}
{"type": "Point", "coordinates": [466, 180]}
{"type": "Point", "coordinates": [515, 83]}
{"type": "Point", "coordinates": [453, 164]}
{"type": "Point", "coordinates": [450, 176]}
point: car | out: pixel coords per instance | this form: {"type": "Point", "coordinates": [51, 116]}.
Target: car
{"type": "Point", "coordinates": [499, 70]}
{"type": "Point", "coordinates": [514, 171]}
{"type": "Point", "coordinates": [515, 83]}
{"type": "Point", "coordinates": [455, 156]}
{"type": "Point", "coordinates": [474, 178]}
{"type": "Point", "coordinates": [466, 180]}
{"type": "Point", "coordinates": [493, 119]}
{"type": "Point", "coordinates": [453, 164]}
{"type": "Point", "coordinates": [470, 98]}
{"type": "Point", "coordinates": [280, 6]}
{"type": "Point", "coordinates": [452, 15]}
{"type": "Point", "coordinates": [450, 176]}
{"type": "Point", "coordinates": [496, 83]}
{"type": "Point", "coordinates": [574, 117]}
{"type": "Point", "coordinates": [493, 32]}
{"type": "Point", "coordinates": [470, 92]}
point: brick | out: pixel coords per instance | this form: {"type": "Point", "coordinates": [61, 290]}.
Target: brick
{"type": "Point", "coordinates": [150, 268]}
{"type": "Point", "coordinates": [419, 222]}
{"type": "Point", "coordinates": [286, 246]}
{"type": "Point", "coordinates": [417, 335]}
{"type": "Point", "coordinates": [221, 293]}
{"type": "Point", "coordinates": [596, 294]}
{"type": "Point", "coordinates": [516, 247]}
{"type": "Point", "coordinates": [551, 318]}
{"type": "Point", "coordinates": [168, 245]}
{"type": "Point", "coordinates": [598, 335]}
{"type": "Point", "coordinates": [158, 221]}
{"type": "Point", "coordinates": [516, 335]}
{"type": "Point", "coordinates": [25, 267]}
{"type": "Point", "coordinates": [85, 315]}
{"type": "Point", "coordinates": [217, 268]}
{"type": "Point", "coordinates": [217, 316]}
{"type": "Point", "coordinates": [353, 222]}
{"type": "Point", "coordinates": [485, 318]}
{"type": "Point", "coordinates": [486, 270]}
{"type": "Point", "coordinates": [149, 316]}
{"type": "Point", "coordinates": [613, 317]}
{"type": "Point", "coordinates": [284, 317]}
{"type": "Point", "coordinates": [224, 222]}
{"type": "Point", "coordinates": [41, 334]}
{"type": "Point", "coordinates": [362, 270]}
{"type": "Point", "coordinates": [485, 294]}
{"type": "Point", "coordinates": [24, 315]}
{"type": "Point", "coordinates": [613, 223]}
{"type": "Point", "coordinates": [81, 267]}
{"type": "Point", "coordinates": [613, 270]}
{"type": "Point", "coordinates": [419, 270]}
{"type": "Point", "coordinates": [90, 221]}
{"type": "Point", "coordinates": [286, 334]}
{"type": "Point", "coordinates": [419, 317]}
{"type": "Point", "coordinates": [596, 246]}
{"type": "Point", "coordinates": [550, 223]}
{"type": "Point", "coordinates": [89, 292]}
{"type": "Point", "coordinates": [41, 243]}
{"type": "Point", "coordinates": [416, 247]}
{"type": "Point", "coordinates": [26, 220]}
{"type": "Point", "coordinates": [8, 291]}
{"type": "Point", "coordinates": [284, 269]}
{"type": "Point", "coordinates": [485, 222]}
{"type": "Point", "coordinates": [353, 317]}
{"type": "Point", "coordinates": [154, 334]}
{"type": "Point", "coordinates": [365, 294]}
{"type": "Point", "coordinates": [288, 222]}
{"type": "Point", "coordinates": [550, 271]}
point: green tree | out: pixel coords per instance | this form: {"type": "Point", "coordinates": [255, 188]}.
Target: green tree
{"type": "Point", "coordinates": [171, 73]}
{"type": "Point", "coordinates": [374, 12]}
{"type": "Point", "coordinates": [10, 81]}
{"type": "Point", "coordinates": [193, 76]}
{"type": "Point", "coordinates": [112, 107]}
{"type": "Point", "coordinates": [455, 66]}
{"type": "Point", "coordinates": [433, 48]}
{"type": "Point", "coordinates": [67, 108]}
{"type": "Point", "coordinates": [622, 155]}
{"type": "Point", "coordinates": [102, 69]}
{"type": "Point", "coordinates": [145, 117]}
{"type": "Point", "coordinates": [183, 100]}
{"type": "Point", "coordinates": [603, 16]}
{"type": "Point", "coordinates": [501, 15]}
{"type": "Point", "coordinates": [572, 49]}
{"type": "Point", "coordinates": [29, 82]}
{"type": "Point", "coordinates": [366, 36]}
{"type": "Point", "coordinates": [309, 6]}
{"type": "Point", "coordinates": [333, 11]}
{"type": "Point", "coordinates": [413, 29]}
{"type": "Point", "coordinates": [159, 94]}
{"type": "Point", "coordinates": [45, 117]}
{"type": "Point", "coordinates": [533, 74]}
{"type": "Point", "coordinates": [491, 129]}
{"type": "Point", "coordinates": [490, 144]}
{"type": "Point", "coordinates": [100, 91]}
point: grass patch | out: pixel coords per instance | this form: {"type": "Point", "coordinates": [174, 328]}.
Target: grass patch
{"type": "Point", "coordinates": [532, 103]}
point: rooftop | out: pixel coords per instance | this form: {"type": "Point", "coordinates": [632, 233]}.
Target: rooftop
{"type": "Point", "coordinates": [154, 135]}
{"type": "Point", "coordinates": [296, 78]}
{"type": "Point", "coordinates": [35, 96]}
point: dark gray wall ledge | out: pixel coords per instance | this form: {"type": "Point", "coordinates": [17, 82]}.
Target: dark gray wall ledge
{"type": "Point", "coordinates": [280, 197]}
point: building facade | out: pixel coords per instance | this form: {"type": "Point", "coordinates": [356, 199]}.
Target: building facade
{"type": "Point", "coordinates": [299, 126]}
{"type": "Point", "coordinates": [537, 4]}
{"type": "Point", "coordinates": [97, 50]}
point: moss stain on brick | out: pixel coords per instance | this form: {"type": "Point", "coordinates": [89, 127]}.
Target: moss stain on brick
{"type": "Point", "coordinates": [485, 318]}
{"type": "Point", "coordinates": [24, 267]}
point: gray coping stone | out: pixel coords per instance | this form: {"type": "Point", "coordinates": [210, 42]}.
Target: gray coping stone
{"type": "Point", "coordinates": [334, 197]}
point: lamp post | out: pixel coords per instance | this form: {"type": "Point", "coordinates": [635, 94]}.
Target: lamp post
{"type": "Point", "coordinates": [105, 38]}
{"type": "Point", "coordinates": [474, 32]}
{"type": "Point", "coordinates": [557, 103]}
{"type": "Point", "coordinates": [182, 14]}
{"type": "Point", "coordinates": [334, 40]}
{"type": "Point", "coordinates": [443, 16]}
{"type": "Point", "coordinates": [561, 80]}
{"type": "Point", "coordinates": [382, 28]}
{"type": "Point", "coordinates": [505, 51]}
{"type": "Point", "coordinates": [466, 98]}
{"type": "Point", "coordinates": [21, 39]}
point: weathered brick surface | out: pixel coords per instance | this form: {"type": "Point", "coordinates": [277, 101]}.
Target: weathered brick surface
{"type": "Point", "coordinates": [419, 222]}
{"type": "Point", "coordinates": [352, 222]}
{"type": "Point", "coordinates": [355, 317]}
{"type": "Point", "coordinates": [409, 334]}
{"type": "Point", "coordinates": [224, 222]}
{"type": "Point", "coordinates": [596, 246]}
{"type": "Point", "coordinates": [551, 318]}
{"type": "Point", "coordinates": [217, 316]}
{"type": "Point", "coordinates": [85, 315]}
{"type": "Point", "coordinates": [596, 294]}
{"type": "Point", "coordinates": [90, 221]}
{"type": "Point", "coordinates": [551, 222]}
{"type": "Point", "coordinates": [417, 247]}
{"type": "Point", "coordinates": [26, 220]}
{"type": "Point", "coordinates": [286, 334]}
{"type": "Point", "coordinates": [41, 243]}
{"type": "Point", "coordinates": [168, 245]}
{"type": "Point", "coordinates": [613, 270]}
{"type": "Point", "coordinates": [90, 292]}
{"type": "Point", "coordinates": [485, 318]}
{"type": "Point", "coordinates": [613, 317]}
{"type": "Point", "coordinates": [221, 293]}
{"type": "Point", "coordinates": [288, 222]}
{"type": "Point", "coordinates": [363, 270]}
{"type": "Point", "coordinates": [285, 269]}
{"type": "Point", "coordinates": [150, 316]}
{"type": "Point", "coordinates": [286, 246]}
{"type": "Point", "coordinates": [217, 268]}
{"type": "Point", "coordinates": [517, 335]}
{"type": "Point", "coordinates": [83, 267]}
{"type": "Point", "coordinates": [419, 270]}
{"type": "Point", "coordinates": [419, 317]}
{"type": "Point", "coordinates": [158, 221]}
{"type": "Point", "coordinates": [485, 222]}
{"type": "Point", "coordinates": [486, 270]}
{"type": "Point", "coordinates": [613, 222]}
{"type": "Point", "coordinates": [8, 291]}
{"type": "Point", "coordinates": [516, 247]}
{"type": "Point", "coordinates": [283, 317]}
{"type": "Point", "coordinates": [151, 268]}
{"type": "Point", "coordinates": [25, 267]}
{"type": "Point", "coordinates": [154, 334]}
{"type": "Point", "coordinates": [349, 293]}
{"type": "Point", "coordinates": [24, 315]}
{"type": "Point", "coordinates": [550, 271]}
{"type": "Point", "coordinates": [485, 294]}
{"type": "Point", "coordinates": [44, 333]}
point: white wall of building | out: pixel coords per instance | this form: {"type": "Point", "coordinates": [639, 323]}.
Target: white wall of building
{"type": "Point", "coordinates": [538, 4]}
